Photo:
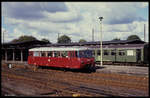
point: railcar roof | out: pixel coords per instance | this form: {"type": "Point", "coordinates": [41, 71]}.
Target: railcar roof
{"type": "Point", "coordinates": [59, 49]}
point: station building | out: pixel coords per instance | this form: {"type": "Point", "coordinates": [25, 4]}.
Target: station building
{"type": "Point", "coordinates": [18, 51]}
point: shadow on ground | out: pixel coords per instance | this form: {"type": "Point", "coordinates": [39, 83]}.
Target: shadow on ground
{"type": "Point", "coordinates": [72, 70]}
{"type": "Point", "coordinates": [99, 67]}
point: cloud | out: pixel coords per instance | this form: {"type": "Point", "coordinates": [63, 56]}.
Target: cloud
{"type": "Point", "coordinates": [63, 17]}
{"type": "Point", "coordinates": [113, 13]}
{"type": "Point", "coordinates": [75, 19]}
{"type": "Point", "coordinates": [31, 10]}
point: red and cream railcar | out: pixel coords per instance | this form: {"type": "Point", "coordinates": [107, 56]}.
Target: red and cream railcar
{"type": "Point", "coordinates": [64, 57]}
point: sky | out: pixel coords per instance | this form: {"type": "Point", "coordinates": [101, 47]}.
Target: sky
{"type": "Point", "coordinates": [74, 19]}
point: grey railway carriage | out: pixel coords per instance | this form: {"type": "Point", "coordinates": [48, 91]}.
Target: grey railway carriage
{"type": "Point", "coordinates": [131, 53]}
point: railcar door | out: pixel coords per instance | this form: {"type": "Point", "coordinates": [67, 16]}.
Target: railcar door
{"type": "Point", "coordinates": [73, 61]}
{"type": "Point", "coordinates": [138, 55]}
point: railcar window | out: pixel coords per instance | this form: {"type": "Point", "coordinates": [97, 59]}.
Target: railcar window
{"type": "Point", "coordinates": [76, 54]}
{"type": "Point", "coordinates": [71, 54]}
{"type": "Point", "coordinates": [36, 53]}
{"type": "Point", "coordinates": [56, 53]}
{"type": "Point", "coordinates": [30, 54]}
{"type": "Point", "coordinates": [106, 52]}
{"type": "Point", "coordinates": [64, 54]}
{"type": "Point", "coordinates": [85, 54]}
{"type": "Point", "coordinates": [81, 54]}
{"type": "Point", "coordinates": [50, 54]}
{"type": "Point", "coordinates": [40, 53]}
{"type": "Point", "coordinates": [43, 54]}
{"type": "Point", "coordinates": [113, 52]}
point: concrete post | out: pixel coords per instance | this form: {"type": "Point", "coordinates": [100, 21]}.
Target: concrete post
{"type": "Point", "coordinates": [21, 55]}
{"type": "Point", "coordinates": [6, 56]}
{"type": "Point", "coordinates": [13, 55]}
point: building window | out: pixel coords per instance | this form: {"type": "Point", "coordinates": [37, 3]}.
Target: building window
{"type": "Point", "coordinates": [106, 52]}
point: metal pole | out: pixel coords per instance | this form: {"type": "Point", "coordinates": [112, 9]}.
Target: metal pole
{"type": "Point", "coordinates": [58, 35]}
{"type": "Point", "coordinates": [3, 37]}
{"type": "Point", "coordinates": [101, 48]}
{"type": "Point", "coordinates": [93, 35]}
{"type": "Point", "coordinates": [144, 33]}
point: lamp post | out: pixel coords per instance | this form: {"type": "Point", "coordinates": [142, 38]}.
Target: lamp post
{"type": "Point", "coordinates": [3, 35]}
{"type": "Point", "coordinates": [101, 48]}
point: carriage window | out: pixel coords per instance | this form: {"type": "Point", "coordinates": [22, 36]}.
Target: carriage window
{"type": "Point", "coordinates": [106, 52]}
{"type": "Point", "coordinates": [50, 54]}
{"type": "Point", "coordinates": [121, 52]}
{"type": "Point", "coordinates": [64, 54]}
{"type": "Point", "coordinates": [43, 54]}
{"type": "Point", "coordinates": [113, 52]}
{"type": "Point", "coordinates": [98, 52]}
{"type": "Point", "coordinates": [93, 53]}
{"type": "Point", "coordinates": [130, 53]}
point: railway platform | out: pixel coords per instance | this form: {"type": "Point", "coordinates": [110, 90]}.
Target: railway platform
{"type": "Point", "coordinates": [130, 70]}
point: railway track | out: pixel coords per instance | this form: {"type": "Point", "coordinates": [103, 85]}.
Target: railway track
{"type": "Point", "coordinates": [97, 77]}
{"type": "Point", "coordinates": [46, 79]}
{"type": "Point", "coordinates": [54, 84]}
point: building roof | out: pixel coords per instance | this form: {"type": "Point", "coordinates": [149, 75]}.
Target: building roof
{"type": "Point", "coordinates": [58, 49]}
{"type": "Point", "coordinates": [24, 44]}
{"type": "Point", "coordinates": [98, 43]}
{"type": "Point", "coordinates": [37, 43]}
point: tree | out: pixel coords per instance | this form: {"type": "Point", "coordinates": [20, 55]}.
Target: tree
{"type": "Point", "coordinates": [133, 37]}
{"type": "Point", "coordinates": [82, 40]}
{"type": "Point", "coordinates": [46, 40]}
{"type": "Point", "coordinates": [116, 39]}
{"type": "Point", "coordinates": [64, 39]}
{"type": "Point", "coordinates": [24, 38]}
